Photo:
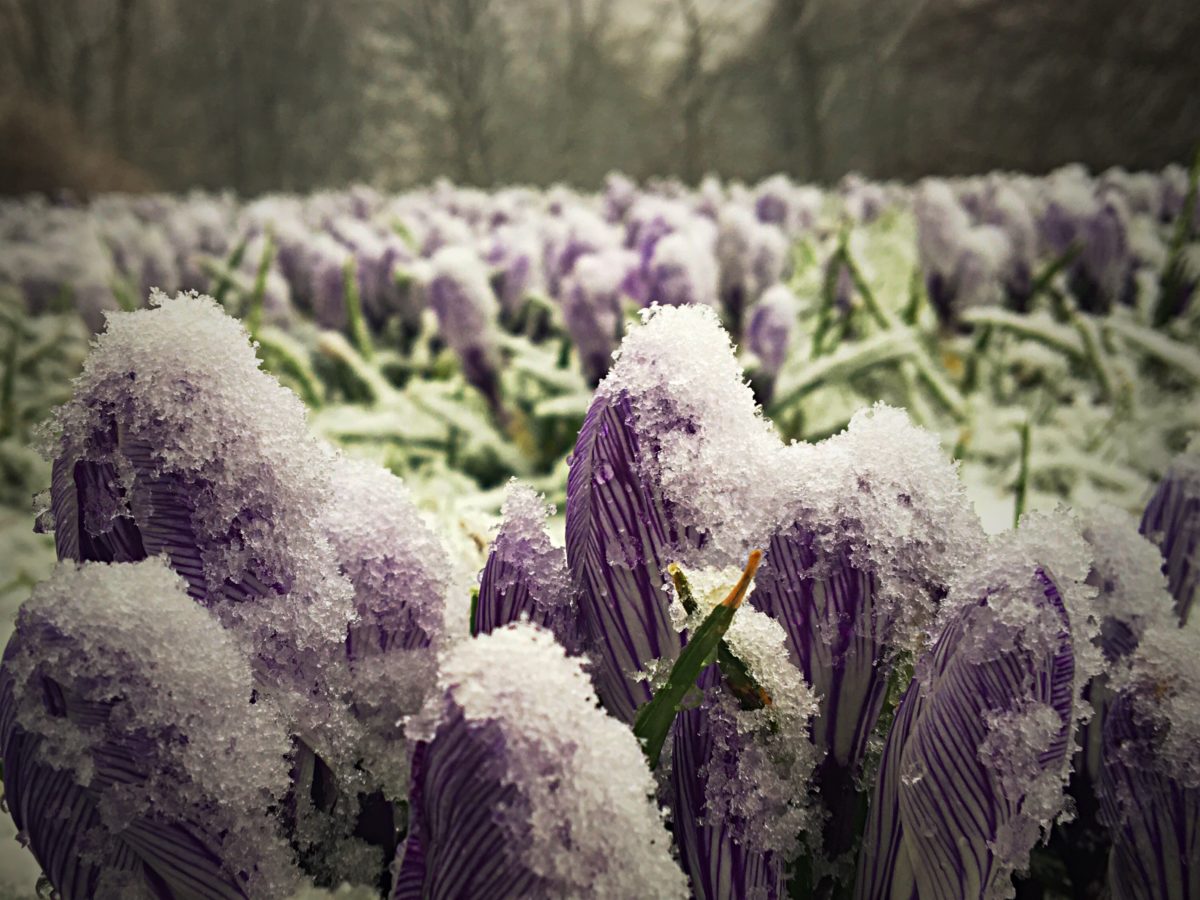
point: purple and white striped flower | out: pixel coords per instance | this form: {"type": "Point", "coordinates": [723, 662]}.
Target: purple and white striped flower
{"type": "Point", "coordinates": [525, 577]}
{"type": "Point", "coordinates": [522, 787]}
{"type": "Point", "coordinates": [1150, 784]}
{"type": "Point", "coordinates": [1172, 521]}
{"type": "Point", "coordinates": [138, 760]}
{"type": "Point", "coordinates": [975, 763]}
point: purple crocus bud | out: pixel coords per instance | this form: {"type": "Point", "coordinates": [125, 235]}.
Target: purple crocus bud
{"type": "Point", "coordinates": [591, 300]}
{"type": "Point", "coordinates": [573, 233]}
{"type": "Point", "coordinates": [864, 201]}
{"type": "Point", "coordinates": [740, 777]}
{"type": "Point", "coordinates": [516, 257]}
{"type": "Point", "coordinates": [976, 760]}
{"type": "Point", "coordinates": [1007, 210]}
{"type": "Point", "coordinates": [681, 271]}
{"type": "Point", "coordinates": [769, 335]}
{"type": "Point", "coordinates": [398, 570]}
{"type": "Point", "coordinates": [1172, 521]}
{"type": "Point", "coordinates": [659, 462]}
{"type": "Point", "coordinates": [620, 193]}
{"type": "Point", "coordinates": [137, 759]}
{"type": "Point", "coordinates": [525, 577]}
{"type": "Point", "coordinates": [522, 787]}
{"type": "Point", "coordinates": [1150, 785]}
{"type": "Point", "coordinates": [462, 298]}
{"type": "Point", "coordinates": [752, 256]}
{"type": "Point", "coordinates": [324, 272]}
{"type": "Point", "coordinates": [176, 443]}
{"type": "Point", "coordinates": [378, 255]}
{"type": "Point", "coordinates": [855, 574]}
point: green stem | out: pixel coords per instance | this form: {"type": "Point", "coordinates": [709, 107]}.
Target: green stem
{"type": "Point", "coordinates": [359, 334]}
{"type": "Point", "coordinates": [1022, 486]}
{"type": "Point", "coordinates": [1171, 293]}
{"type": "Point", "coordinates": [254, 313]}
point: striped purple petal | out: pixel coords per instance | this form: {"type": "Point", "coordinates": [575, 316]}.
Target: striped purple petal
{"type": "Point", "coordinates": [1153, 816]}
{"type": "Point", "coordinates": [134, 758]}
{"type": "Point", "coordinates": [974, 768]}
{"type": "Point", "coordinates": [525, 577]}
{"type": "Point", "coordinates": [719, 862]}
{"type": "Point", "coordinates": [1149, 785]}
{"type": "Point", "coordinates": [620, 537]}
{"type": "Point", "coordinates": [1172, 520]}
{"type": "Point", "coordinates": [522, 787]}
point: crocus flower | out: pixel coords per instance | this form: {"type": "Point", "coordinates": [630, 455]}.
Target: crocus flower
{"type": "Point", "coordinates": [591, 300]}
{"type": "Point", "coordinates": [525, 577]}
{"type": "Point", "coordinates": [1172, 520]}
{"type": "Point", "coordinates": [522, 787]}
{"type": "Point", "coordinates": [751, 255]}
{"type": "Point", "coordinates": [770, 332]}
{"type": "Point", "coordinates": [1150, 784]}
{"type": "Point", "coordinates": [177, 444]}
{"type": "Point", "coordinates": [975, 763]}
{"type": "Point", "coordinates": [462, 298]}
{"type": "Point", "coordinates": [137, 759]}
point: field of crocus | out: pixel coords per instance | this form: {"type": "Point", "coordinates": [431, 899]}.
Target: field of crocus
{"type": "Point", "coordinates": [733, 541]}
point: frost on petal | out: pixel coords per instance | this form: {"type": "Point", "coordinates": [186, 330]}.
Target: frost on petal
{"type": "Point", "coordinates": [974, 768]}
{"type": "Point", "coordinates": [525, 577]}
{"type": "Point", "coordinates": [177, 444]}
{"type": "Point", "coordinates": [522, 787]}
{"type": "Point", "coordinates": [137, 756]}
{"type": "Point", "coordinates": [1172, 520]}
{"type": "Point", "coordinates": [1150, 783]}
{"type": "Point", "coordinates": [399, 573]}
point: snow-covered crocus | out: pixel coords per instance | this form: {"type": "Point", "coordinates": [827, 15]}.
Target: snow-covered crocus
{"type": "Point", "coordinates": [857, 564]}
{"type": "Point", "coordinates": [522, 787]}
{"type": "Point", "coordinates": [739, 771]}
{"type": "Point", "coordinates": [770, 331]}
{"type": "Point", "coordinates": [592, 298]}
{"type": "Point", "coordinates": [751, 255]}
{"type": "Point", "coordinates": [137, 759]}
{"type": "Point", "coordinates": [1150, 784]}
{"type": "Point", "coordinates": [1172, 521]}
{"type": "Point", "coordinates": [398, 569]}
{"type": "Point", "coordinates": [962, 264]}
{"type": "Point", "coordinates": [467, 311]}
{"type": "Point", "coordinates": [176, 443]}
{"type": "Point", "coordinates": [1097, 226]}
{"type": "Point", "coordinates": [974, 765]}
{"type": "Point", "coordinates": [525, 577]}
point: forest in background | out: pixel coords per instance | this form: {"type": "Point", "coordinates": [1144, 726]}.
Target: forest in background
{"type": "Point", "coordinates": [300, 94]}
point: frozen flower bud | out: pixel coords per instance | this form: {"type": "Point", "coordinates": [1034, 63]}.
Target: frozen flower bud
{"type": "Point", "coordinates": [522, 787]}
{"type": "Point", "coordinates": [324, 265]}
{"type": "Point", "coordinates": [176, 443]}
{"type": "Point", "coordinates": [772, 328]}
{"type": "Point", "coordinates": [682, 271]}
{"type": "Point", "coordinates": [591, 306]}
{"type": "Point", "coordinates": [378, 257]}
{"type": "Point", "coordinates": [740, 777]}
{"type": "Point", "coordinates": [462, 298]}
{"type": "Point", "coordinates": [1150, 785]}
{"type": "Point", "coordinates": [1172, 521]}
{"type": "Point", "coordinates": [975, 763]}
{"type": "Point", "coordinates": [662, 457]}
{"type": "Point", "coordinates": [138, 760]}
{"type": "Point", "coordinates": [793, 208]}
{"type": "Point", "coordinates": [751, 255]}
{"type": "Point", "coordinates": [525, 577]}
{"type": "Point", "coordinates": [856, 569]}
{"type": "Point", "coordinates": [399, 573]}
{"type": "Point", "coordinates": [515, 255]}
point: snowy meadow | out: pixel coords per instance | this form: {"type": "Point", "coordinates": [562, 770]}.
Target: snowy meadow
{"type": "Point", "coordinates": [752, 541]}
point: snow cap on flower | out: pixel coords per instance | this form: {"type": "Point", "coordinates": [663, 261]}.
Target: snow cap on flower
{"type": "Point", "coordinates": [177, 443]}
{"type": "Point", "coordinates": [137, 757]}
{"type": "Point", "coordinates": [772, 327]}
{"type": "Point", "coordinates": [751, 255]}
{"type": "Point", "coordinates": [591, 307]}
{"type": "Point", "coordinates": [398, 570]}
{"type": "Point", "coordinates": [525, 577]}
{"type": "Point", "coordinates": [522, 787]}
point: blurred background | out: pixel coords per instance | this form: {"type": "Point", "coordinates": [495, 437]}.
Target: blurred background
{"type": "Point", "coordinates": [300, 94]}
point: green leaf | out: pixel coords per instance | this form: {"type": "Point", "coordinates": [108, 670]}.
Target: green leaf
{"type": "Point", "coordinates": [653, 722]}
